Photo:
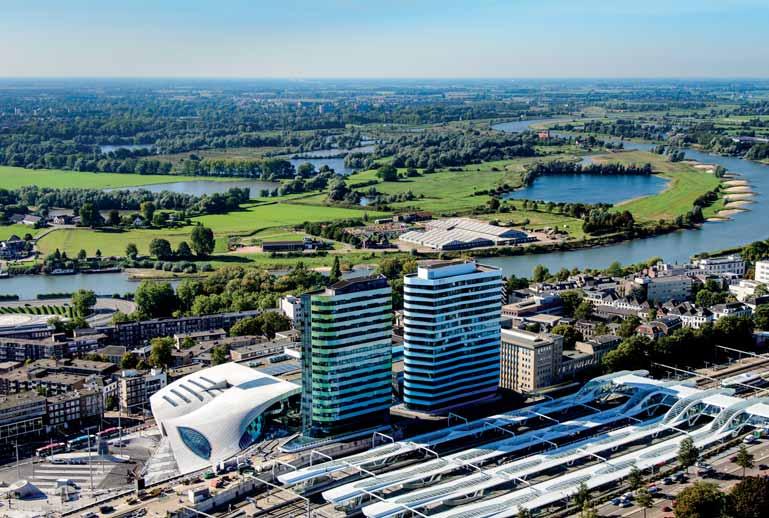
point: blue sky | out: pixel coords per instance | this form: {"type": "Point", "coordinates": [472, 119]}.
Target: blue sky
{"type": "Point", "coordinates": [395, 38]}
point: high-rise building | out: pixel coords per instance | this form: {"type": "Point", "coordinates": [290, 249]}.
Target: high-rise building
{"type": "Point", "coordinates": [451, 334]}
{"type": "Point", "coordinates": [530, 361]}
{"type": "Point", "coordinates": [346, 356]}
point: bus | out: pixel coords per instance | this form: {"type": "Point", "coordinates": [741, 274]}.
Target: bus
{"type": "Point", "coordinates": [81, 442]}
{"type": "Point", "coordinates": [50, 449]}
{"type": "Point", "coordinates": [108, 433]}
{"type": "Point", "coordinates": [743, 382]}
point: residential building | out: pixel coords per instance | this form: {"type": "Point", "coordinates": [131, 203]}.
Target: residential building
{"type": "Point", "coordinates": [21, 416]}
{"type": "Point", "coordinates": [451, 334]}
{"type": "Point", "coordinates": [663, 289]}
{"type": "Point", "coordinates": [730, 309]}
{"type": "Point", "coordinates": [13, 248]}
{"type": "Point", "coordinates": [690, 315]}
{"type": "Point", "coordinates": [258, 349]}
{"type": "Point", "coordinates": [347, 356]}
{"type": "Point", "coordinates": [292, 307]}
{"type": "Point", "coordinates": [529, 361]}
{"type": "Point", "coordinates": [733, 263]}
{"type": "Point", "coordinates": [744, 289]}
{"type": "Point", "coordinates": [663, 326]}
{"type": "Point", "coordinates": [761, 273]}
{"type": "Point", "coordinates": [199, 336]}
{"type": "Point", "coordinates": [72, 409]}
{"type": "Point", "coordinates": [135, 388]}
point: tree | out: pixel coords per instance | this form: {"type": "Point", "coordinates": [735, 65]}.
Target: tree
{"type": "Point", "coordinates": [588, 511]}
{"type": "Point", "coordinates": [540, 273]}
{"type": "Point", "coordinates": [83, 301]}
{"type": "Point", "coordinates": [129, 361]}
{"type": "Point", "coordinates": [523, 512]}
{"type": "Point", "coordinates": [570, 300]}
{"type": "Point", "coordinates": [183, 250]}
{"type": "Point", "coordinates": [154, 299]}
{"type": "Point", "coordinates": [336, 271]}
{"type": "Point", "coordinates": [582, 496]}
{"type": "Point", "coordinates": [761, 317]}
{"type": "Point", "coordinates": [388, 173]}
{"type": "Point", "coordinates": [202, 240]}
{"type": "Point", "coordinates": [89, 215]}
{"type": "Point", "coordinates": [700, 500]}
{"type": "Point", "coordinates": [220, 354]}
{"type": "Point", "coordinates": [98, 253]}
{"type": "Point", "coordinates": [584, 311]}
{"type": "Point", "coordinates": [750, 498]}
{"type": "Point", "coordinates": [687, 453]}
{"type": "Point", "coordinates": [160, 248]}
{"type": "Point", "coordinates": [113, 220]}
{"type": "Point", "coordinates": [81, 255]}
{"type": "Point", "coordinates": [744, 459]}
{"type": "Point", "coordinates": [147, 210]}
{"type": "Point", "coordinates": [644, 499]}
{"type": "Point", "coordinates": [734, 331]}
{"type": "Point", "coordinates": [631, 354]}
{"type": "Point", "coordinates": [628, 326]}
{"type": "Point", "coordinates": [161, 352]}
{"type": "Point", "coordinates": [569, 333]}
{"type": "Point", "coordinates": [635, 478]}
{"type": "Point", "coordinates": [131, 250]}
{"type": "Point", "coordinates": [186, 292]}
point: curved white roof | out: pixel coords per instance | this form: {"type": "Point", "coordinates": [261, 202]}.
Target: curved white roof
{"type": "Point", "coordinates": [205, 414]}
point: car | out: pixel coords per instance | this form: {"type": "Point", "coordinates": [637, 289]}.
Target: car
{"type": "Point", "coordinates": [626, 504]}
{"type": "Point", "coordinates": [653, 489]}
{"type": "Point", "coordinates": [763, 467]}
{"type": "Point", "coordinates": [667, 481]}
{"type": "Point", "coordinates": [106, 509]}
{"type": "Point", "coordinates": [628, 496]}
{"type": "Point", "coordinates": [667, 509]}
{"type": "Point", "coordinates": [616, 501]}
{"type": "Point", "coordinates": [208, 475]}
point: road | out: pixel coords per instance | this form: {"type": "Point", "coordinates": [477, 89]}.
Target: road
{"type": "Point", "coordinates": [726, 474]}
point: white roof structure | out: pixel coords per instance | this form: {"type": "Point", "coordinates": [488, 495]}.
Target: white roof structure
{"type": "Point", "coordinates": [460, 233]}
{"type": "Point", "coordinates": [213, 414]}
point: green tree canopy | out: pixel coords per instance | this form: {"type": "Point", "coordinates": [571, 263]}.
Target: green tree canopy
{"type": "Point", "coordinates": [202, 240]}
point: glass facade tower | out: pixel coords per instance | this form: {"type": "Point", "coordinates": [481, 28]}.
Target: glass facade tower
{"type": "Point", "coordinates": [347, 356]}
{"type": "Point", "coordinates": [451, 334]}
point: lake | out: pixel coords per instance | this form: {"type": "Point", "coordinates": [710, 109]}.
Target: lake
{"type": "Point", "coordinates": [743, 228]}
{"type": "Point", "coordinates": [589, 188]}
{"type": "Point", "coordinates": [200, 187]}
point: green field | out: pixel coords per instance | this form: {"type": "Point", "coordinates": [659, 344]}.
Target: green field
{"type": "Point", "coordinates": [18, 229]}
{"type": "Point", "coordinates": [538, 220]}
{"type": "Point", "coordinates": [254, 218]}
{"type": "Point", "coordinates": [15, 177]}
{"type": "Point", "coordinates": [259, 216]}
{"type": "Point", "coordinates": [687, 183]}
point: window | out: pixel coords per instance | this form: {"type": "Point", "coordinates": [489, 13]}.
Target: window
{"type": "Point", "coordinates": [196, 442]}
{"type": "Point", "coordinates": [252, 433]}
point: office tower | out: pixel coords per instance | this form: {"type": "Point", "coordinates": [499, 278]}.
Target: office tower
{"type": "Point", "coordinates": [451, 334]}
{"type": "Point", "coordinates": [346, 356]}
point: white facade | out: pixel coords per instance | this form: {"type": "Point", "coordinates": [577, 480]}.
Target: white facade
{"type": "Point", "coordinates": [762, 272]}
{"type": "Point", "coordinates": [215, 413]}
{"type": "Point", "coordinates": [733, 263]}
{"type": "Point", "coordinates": [663, 289]}
{"type": "Point", "coordinates": [731, 309]}
{"type": "Point", "coordinates": [451, 333]}
{"type": "Point", "coordinates": [744, 289]}
{"type": "Point", "coordinates": [291, 307]}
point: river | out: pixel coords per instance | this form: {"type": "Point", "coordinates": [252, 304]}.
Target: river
{"type": "Point", "coordinates": [743, 228]}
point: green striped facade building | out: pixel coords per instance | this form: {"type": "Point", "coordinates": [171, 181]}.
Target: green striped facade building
{"type": "Point", "coordinates": [347, 356]}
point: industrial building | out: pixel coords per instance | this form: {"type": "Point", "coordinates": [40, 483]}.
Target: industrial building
{"type": "Point", "coordinates": [463, 234]}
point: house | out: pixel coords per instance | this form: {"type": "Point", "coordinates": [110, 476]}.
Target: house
{"type": "Point", "coordinates": [690, 315]}
{"type": "Point", "coordinates": [61, 219]}
{"type": "Point", "coordinates": [31, 220]}
{"type": "Point", "coordinates": [730, 309]}
{"type": "Point", "coordinates": [13, 248]}
{"type": "Point", "coordinates": [16, 218]}
{"type": "Point", "coordinates": [661, 327]}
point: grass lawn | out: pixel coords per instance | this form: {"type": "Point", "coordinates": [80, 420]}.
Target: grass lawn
{"type": "Point", "coordinates": [15, 177]}
{"type": "Point", "coordinates": [72, 240]}
{"type": "Point", "coordinates": [238, 153]}
{"type": "Point", "coordinates": [18, 229]}
{"type": "Point", "coordinates": [687, 183]}
{"type": "Point", "coordinates": [537, 220]}
{"type": "Point", "coordinates": [260, 216]}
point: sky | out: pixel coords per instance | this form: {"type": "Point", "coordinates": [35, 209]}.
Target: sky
{"type": "Point", "coordinates": [384, 38]}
